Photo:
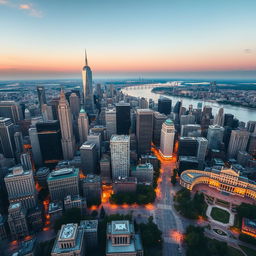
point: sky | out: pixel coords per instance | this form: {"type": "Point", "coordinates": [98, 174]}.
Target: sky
{"type": "Point", "coordinates": [45, 39]}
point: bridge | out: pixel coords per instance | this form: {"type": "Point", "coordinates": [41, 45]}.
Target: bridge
{"type": "Point", "coordinates": [151, 86]}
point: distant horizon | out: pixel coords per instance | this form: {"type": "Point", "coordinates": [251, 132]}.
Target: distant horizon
{"type": "Point", "coordinates": [146, 38]}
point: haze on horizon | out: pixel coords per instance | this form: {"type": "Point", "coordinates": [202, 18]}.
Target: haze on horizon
{"type": "Point", "coordinates": [146, 38]}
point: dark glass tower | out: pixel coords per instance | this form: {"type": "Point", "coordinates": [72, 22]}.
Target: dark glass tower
{"type": "Point", "coordinates": [123, 118]}
{"type": "Point", "coordinates": [164, 105]}
{"type": "Point", "coordinates": [188, 146]}
{"type": "Point", "coordinates": [41, 95]}
{"type": "Point", "coordinates": [49, 136]}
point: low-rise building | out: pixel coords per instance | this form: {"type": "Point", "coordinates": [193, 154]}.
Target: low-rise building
{"type": "Point", "coordinates": [143, 172]}
{"type": "Point", "coordinates": [70, 241]}
{"type": "Point", "coordinates": [128, 184]}
{"type": "Point", "coordinates": [75, 202]}
{"type": "Point", "coordinates": [122, 239]}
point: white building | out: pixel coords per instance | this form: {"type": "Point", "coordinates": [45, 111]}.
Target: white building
{"type": "Point", "coordinates": [120, 155]}
{"type": "Point", "coordinates": [110, 117]}
{"type": "Point", "coordinates": [167, 138]}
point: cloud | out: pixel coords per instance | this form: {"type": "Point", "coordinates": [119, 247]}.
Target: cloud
{"type": "Point", "coordinates": [26, 7]}
{"type": "Point", "coordinates": [248, 51]}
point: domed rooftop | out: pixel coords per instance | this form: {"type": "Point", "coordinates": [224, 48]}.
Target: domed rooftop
{"type": "Point", "coordinates": [82, 110]}
{"type": "Point", "coordinates": [168, 122]}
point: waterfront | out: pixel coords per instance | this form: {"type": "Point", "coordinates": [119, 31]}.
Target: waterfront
{"type": "Point", "coordinates": [241, 113]}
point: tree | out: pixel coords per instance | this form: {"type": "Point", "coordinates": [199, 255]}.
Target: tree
{"type": "Point", "coordinates": [173, 180]}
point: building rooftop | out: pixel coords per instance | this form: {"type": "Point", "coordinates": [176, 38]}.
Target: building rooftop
{"type": "Point", "coordinates": [168, 122]}
{"type": "Point", "coordinates": [89, 225]}
{"type": "Point", "coordinates": [123, 138]}
{"type": "Point", "coordinates": [63, 173]}
{"type": "Point", "coordinates": [87, 145]}
{"type": "Point", "coordinates": [27, 247]}
{"type": "Point", "coordinates": [125, 180]}
{"type": "Point", "coordinates": [68, 231]}
{"type": "Point", "coordinates": [55, 206]}
{"type": "Point", "coordinates": [90, 178]}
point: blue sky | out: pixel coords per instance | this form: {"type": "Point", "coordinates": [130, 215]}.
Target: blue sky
{"type": "Point", "coordinates": [46, 38]}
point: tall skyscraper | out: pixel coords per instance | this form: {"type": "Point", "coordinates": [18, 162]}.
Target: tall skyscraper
{"type": "Point", "coordinates": [190, 130]}
{"type": "Point", "coordinates": [202, 148]}
{"type": "Point", "coordinates": [83, 126]}
{"type": "Point", "coordinates": [123, 118]}
{"type": "Point", "coordinates": [187, 119]}
{"type": "Point", "coordinates": [36, 151]}
{"type": "Point", "coordinates": [164, 105]}
{"type": "Point", "coordinates": [7, 145]}
{"type": "Point", "coordinates": [47, 113]}
{"type": "Point", "coordinates": [215, 136]}
{"type": "Point", "coordinates": [49, 138]}
{"type": "Point", "coordinates": [89, 157]}
{"type": "Point", "coordinates": [87, 87]}
{"type": "Point", "coordinates": [120, 155]}
{"type": "Point", "coordinates": [110, 117]}
{"type": "Point", "coordinates": [238, 141]}
{"type": "Point", "coordinates": [144, 130]}
{"type": "Point", "coordinates": [10, 109]}
{"type": "Point", "coordinates": [158, 120]}
{"type": "Point", "coordinates": [251, 126]}
{"type": "Point", "coordinates": [251, 147]}
{"type": "Point", "coordinates": [26, 162]}
{"type": "Point", "coordinates": [18, 140]}
{"type": "Point", "coordinates": [41, 96]}
{"type": "Point", "coordinates": [228, 120]}
{"type": "Point", "coordinates": [96, 138]}
{"type": "Point", "coordinates": [219, 118]}
{"type": "Point", "coordinates": [74, 105]}
{"type": "Point", "coordinates": [68, 139]}
{"type": "Point", "coordinates": [167, 138]}
{"type": "Point", "coordinates": [188, 146]}
{"type": "Point", "coordinates": [20, 186]}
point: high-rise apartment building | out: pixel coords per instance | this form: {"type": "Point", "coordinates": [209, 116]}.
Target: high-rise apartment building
{"type": "Point", "coordinates": [167, 138]}
{"type": "Point", "coordinates": [123, 118]}
{"type": "Point", "coordinates": [238, 141]}
{"type": "Point", "coordinates": [120, 155]}
{"type": "Point", "coordinates": [66, 126]}
{"type": "Point", "coordinates": [83, 126]}
{"type": "Point", "coordinates": [144, 130]}
{"type": "Point", "coordinates": [20, 186]}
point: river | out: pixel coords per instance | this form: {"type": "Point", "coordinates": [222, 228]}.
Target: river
{"type": "Point", "coordinates": [241, 113]}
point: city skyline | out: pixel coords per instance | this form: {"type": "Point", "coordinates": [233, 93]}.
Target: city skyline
{"type": "Point", "coordinates": [166, 39]}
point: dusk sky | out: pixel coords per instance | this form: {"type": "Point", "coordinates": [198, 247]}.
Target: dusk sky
{"type": "Point", "coordinates": [138, 38]}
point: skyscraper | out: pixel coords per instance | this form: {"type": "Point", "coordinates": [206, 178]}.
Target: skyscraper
{"type": "Point", "coordinates": [202, 148]}
{"type": "Point", "coordinates": [26, 162]}
{"type": "Point", "coordinates": [96, 138]}
{"type": "Point", "coordinates": [68, 139]}
{"type": "Point", "coordinates": [47, 112]}
{"type": "Point", "coordinates": [110, 117]}
{"type": "Point", "coordinates": [10, 109]}
{"type": "Point", "coordinates": [167, 138]}
{"type": "Point", "coordinates": [89, 157]}
{"type": "Point", "coordinates": [36, 151]}
{"type": "Point", "coordinates": [87, 87]}
{"type": "Point", "coordinates": [238, 141]}
{"type": "Point", "coordinates": [158, 120]}
{"type": "Point", "coordinates": [7, 145]}
{"type": "Point", "coordinates": [219, 118]}
{"type": "Point", "coordinates": [83, 126]}
{"type": "Point", "coordinates": [120, 155]}
{"type": "Point", "coordinates": [188, 146]}
{"type": "Point", "coordinates": [164, 105]}
{"type": "Point", "coordinates": [123, 118]}
{"type": "Point", "coordinates": [18, 140]}
{"type": "Point", "coordinates": [190, 130]}
{"type": "Point", "coordinates": [74, 105]}
{"type": "Point", "coordinates": [41, 96]}
{"type": "Point", "coordinates": [144, 130]}
{"type": "Point", "coordinates": [215, 136]}
{"type": "Point", "coordinates": [20, 187]}
{"type": "Point", "coordinates": [49, 137]}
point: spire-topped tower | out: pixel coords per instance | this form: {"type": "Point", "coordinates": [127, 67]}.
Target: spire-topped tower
{"type": "Point", "coordinates": [68, 139]}
{"type": "Point", "coordinates": [87, 87]}
{"type": "Point", "coordinates": [85, 56]}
